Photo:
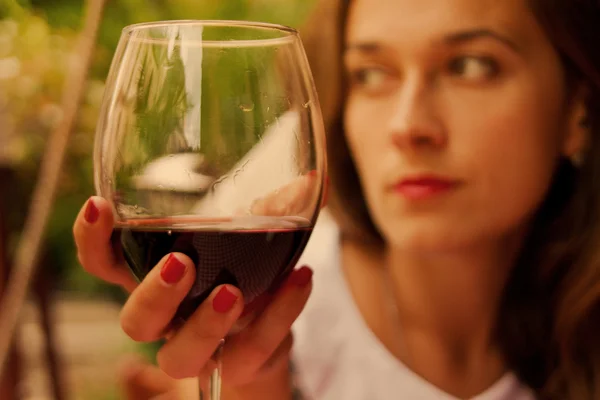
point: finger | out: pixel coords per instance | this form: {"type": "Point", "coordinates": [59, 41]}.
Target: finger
{"type": "Point", "coordinates": [292, 199]}
{"type": "Point", "coordinates": [245, 353]}
{"type": "Point", "coordinates": [191, 348]}
{"type": "Point", "coordinates": [92, 231]}
{"type": "Point", "coordinates": [152, 305]}
{"type": "Point", "coordinates": [168, 396]}
{"type": "Point", "coordinates": [280, 357]}
{"type": "Point", "coordinates": [141, 380]}
{"type": "Point", "coordinates": [264, 387]}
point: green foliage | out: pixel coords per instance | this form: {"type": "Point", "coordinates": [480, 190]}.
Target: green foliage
{"type": "Point", "coordinates": [161, 101]}
{"type": "Point", "coordinates": [37, 43]}
{"type": "Point", "coordinates": [37, 40]}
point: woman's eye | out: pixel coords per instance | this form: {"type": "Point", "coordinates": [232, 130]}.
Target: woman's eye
{"type": "Point", "coordinates": [370, 78]}
{"type": "Point", "coordinates": [474, 68]}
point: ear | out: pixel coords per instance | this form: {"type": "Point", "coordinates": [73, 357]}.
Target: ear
{"type": "Point", "coordinates": [577, 135]}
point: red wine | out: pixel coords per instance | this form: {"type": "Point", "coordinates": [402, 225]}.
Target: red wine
{"type": "Point", "coordinates": [252, 253]}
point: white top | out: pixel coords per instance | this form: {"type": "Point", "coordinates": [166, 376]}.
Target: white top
{"type": "Point", "coordinates": [337, 356]}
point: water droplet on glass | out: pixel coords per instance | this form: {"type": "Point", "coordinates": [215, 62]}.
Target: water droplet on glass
{"type": "Point", "coordinates": [247, 107]}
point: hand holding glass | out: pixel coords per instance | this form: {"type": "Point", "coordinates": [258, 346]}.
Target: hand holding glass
{"type": "Point", "coordinates": [210, 143]}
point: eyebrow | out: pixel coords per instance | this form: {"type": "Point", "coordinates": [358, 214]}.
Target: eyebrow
{"type": "Point", "coordinates": [475, 34]}
{"type": "Point", "coordinates": [452, 39]}
{"type": "Point", "coordinates": [363, 47]}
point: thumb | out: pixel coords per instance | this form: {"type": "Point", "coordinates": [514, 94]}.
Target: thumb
{"type": "Point", "coordinates": [172, 395]}
{"type": "Point", "coordinates": [141, 380]}
{"type": "Point", "coordinates": [187, 389]}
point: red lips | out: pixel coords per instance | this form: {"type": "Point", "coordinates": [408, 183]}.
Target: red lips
{"type": "Point", "coordinates": [424, 187]}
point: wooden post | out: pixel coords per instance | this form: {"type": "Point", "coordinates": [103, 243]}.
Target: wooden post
{"type": "Point", "coordinates": [9, 381]}
{"type": "Point", "coordinates": [28, 249]}
{"type": "Point", "coordinates": [43, 290]}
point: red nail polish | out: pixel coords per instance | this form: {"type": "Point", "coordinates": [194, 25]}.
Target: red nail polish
{"type": "Point", "coordinates": [91, 212]}
{"type": "Point", "coordinates": [172, 271]}
{"type": "Point", "coordinates": [312, 173]}
{"type": "Point", "coordinates": [301, 277]}
{"type": "Point", "coordinates": [224, 300]}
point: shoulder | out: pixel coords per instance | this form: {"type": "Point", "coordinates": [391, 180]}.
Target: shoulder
{"type": "Point", "coordinates": [321, 328]}
{"type": "Point", "coordinates": [322, 255]}
{"type": "Point", "coordinates": [508, 387]}
{"type": "Point", "coordinates": [323, 242]}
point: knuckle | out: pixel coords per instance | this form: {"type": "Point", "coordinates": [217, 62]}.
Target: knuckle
{"type": "Point", "coordinates": [138, 321]}
{"type": "Point", "coordinates": [132, 328]}
{"type": "Point", "coordinates": [89, 267]}
{"type": "Point", "coordinates": [260, 349]}
{"type": "Point", "coordinates": [287, 311]}
{"type": "Point", "coordinates": [147, 300]}
{"type": "Point", "coordinates": [205, 332]}
{"type": "Point", "coordinates": [171, 365]}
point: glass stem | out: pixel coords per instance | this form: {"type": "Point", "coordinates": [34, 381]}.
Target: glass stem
{"type": "Point", "coordinates": [213, 389]}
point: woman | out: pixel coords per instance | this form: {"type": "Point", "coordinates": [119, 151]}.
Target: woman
{"type": "Point", "coordinates": [463, 259]}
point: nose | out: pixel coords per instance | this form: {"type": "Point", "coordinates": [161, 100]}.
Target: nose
{"type": "Point", "coordinates": [415, 124]}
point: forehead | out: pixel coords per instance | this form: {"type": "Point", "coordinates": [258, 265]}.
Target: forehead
{"type": "Point", "coordinates": [413, 20]}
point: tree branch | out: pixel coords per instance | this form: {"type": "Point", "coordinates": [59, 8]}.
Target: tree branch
{"type": "Point", "coordinates": [45, 190]}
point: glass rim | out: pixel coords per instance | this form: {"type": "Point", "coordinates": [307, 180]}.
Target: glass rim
{"type": "Point", "coordinates": [288, 33]}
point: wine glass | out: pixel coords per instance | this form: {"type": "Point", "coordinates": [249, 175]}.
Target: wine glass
{"type": "Point", "coordinates": [210, 142]}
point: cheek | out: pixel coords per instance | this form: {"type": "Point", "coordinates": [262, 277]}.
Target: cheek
{"type": "Point", "coordinates": [508, 191]}
{"type": "Point", "coordinates": [364, 127]}
{"type": "Point", "coordinates": [506, 152]}
{"type": "Point", "coordinates": [510, 149]}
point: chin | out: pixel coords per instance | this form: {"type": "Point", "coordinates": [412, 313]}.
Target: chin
{"type": "Point", "coordinates": [435, 237]}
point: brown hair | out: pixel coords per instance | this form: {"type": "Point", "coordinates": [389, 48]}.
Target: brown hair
{"type": "Point", "coordinates": [549, 325]}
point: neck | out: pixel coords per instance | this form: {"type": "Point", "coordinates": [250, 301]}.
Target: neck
{"type": "Point", "coordinates": [456, 295]}
{"type": "Point", "coordinates": [444, 313]}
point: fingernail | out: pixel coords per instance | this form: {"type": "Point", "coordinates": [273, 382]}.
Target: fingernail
{"type": "Point", "coordinates": [224, 300]}
{"type": "Point", "coordinates": [301, 277]}
{"type": "Point", "coordinates": [173, 270]}
{"type": "Point", "coordinates": [91, 212]}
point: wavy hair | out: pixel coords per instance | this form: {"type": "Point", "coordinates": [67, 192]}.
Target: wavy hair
{"type": "Point", "coordinates": [549, 324]}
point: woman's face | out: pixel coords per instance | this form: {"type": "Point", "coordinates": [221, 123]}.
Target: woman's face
{"type": "Point", "coordinates": [456, 116]}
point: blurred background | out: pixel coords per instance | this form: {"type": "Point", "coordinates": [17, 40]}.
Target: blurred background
{"type": "Point", "coordinates": [77, 312]}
